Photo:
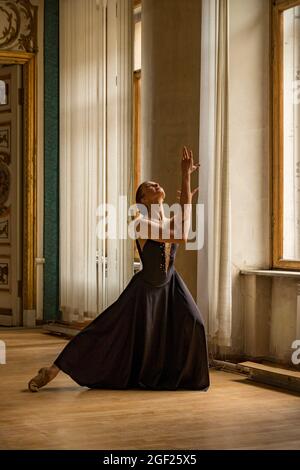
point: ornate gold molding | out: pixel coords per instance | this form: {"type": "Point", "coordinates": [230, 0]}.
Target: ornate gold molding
{"type": "Point", "coordinates": [29, 200]}
{"type": "Point", "coordinates": [29, 175]}
{"type": "Point", "coordinates": [18, 25]}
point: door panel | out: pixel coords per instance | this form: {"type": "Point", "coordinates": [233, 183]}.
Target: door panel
{"type": "Point", "coordinates": [10, 195]}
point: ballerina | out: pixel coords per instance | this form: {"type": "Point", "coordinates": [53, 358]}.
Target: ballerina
{"type": "Point", "coordinates": [153, 335]}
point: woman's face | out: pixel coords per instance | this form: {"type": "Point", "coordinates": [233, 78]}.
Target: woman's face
{"type": "Point", "coordinates": [153, 193]}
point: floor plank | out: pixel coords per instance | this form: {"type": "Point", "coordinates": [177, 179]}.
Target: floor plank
{"type": "Point", "coordinates": [233, 414]}
{"type": "Point", "coordinates": [274, 369]}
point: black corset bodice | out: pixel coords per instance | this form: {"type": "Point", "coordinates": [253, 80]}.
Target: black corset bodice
{"type": "Point", "coordinates": [157, 260]}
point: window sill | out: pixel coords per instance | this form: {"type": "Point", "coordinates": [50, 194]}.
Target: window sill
{"type": "Point", "coordinates": [270, 273]}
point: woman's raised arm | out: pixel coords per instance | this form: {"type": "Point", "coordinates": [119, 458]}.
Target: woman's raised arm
{"type": "Point", "coordinates": [176, 228]}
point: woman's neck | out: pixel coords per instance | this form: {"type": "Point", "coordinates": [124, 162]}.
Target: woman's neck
{"type": "Point", "coordinates": [156, 211]}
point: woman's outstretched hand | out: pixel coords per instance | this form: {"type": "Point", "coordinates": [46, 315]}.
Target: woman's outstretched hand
{"type": "Point", "coordinates": [187, 162]}
{"type": "Point", "coordinates": [187, 168]}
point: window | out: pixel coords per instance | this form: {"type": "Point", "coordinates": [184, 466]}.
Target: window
{"type": "Point", "coordinates": [286, 134]}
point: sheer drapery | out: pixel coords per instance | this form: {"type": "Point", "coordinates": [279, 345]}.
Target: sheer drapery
{"type": "Point", "coordinates": [214, 152]}
{"type": "Point", "coordinates": [93, 173]}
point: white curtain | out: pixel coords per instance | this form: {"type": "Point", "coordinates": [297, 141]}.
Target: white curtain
{"type": "Point", "coordinates": [92, 86]}
{"type": "Point", "coordinates": [214, 153]}
{"type": "Point", "coordinates": [119, 168]}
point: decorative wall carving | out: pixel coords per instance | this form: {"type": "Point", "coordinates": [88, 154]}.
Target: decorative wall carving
{"type": "Point", "coordinates": [18, 25]}
{"type": "Point", "coordinates": [4, 231]}
{"type": "Point", "coordinates": [5, 160]}
{"type": "Point", "coordinates": [4, 183]}
{"type": "Point", "coordinates": [5, 157]}
{"type": "Point", "coordinates": [5, 137]}
{"type": "Point", "coordinates": [4, 273]}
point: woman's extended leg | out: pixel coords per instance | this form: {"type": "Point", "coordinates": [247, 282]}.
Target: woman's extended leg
{"type": "Point", "coordinates": [44, 376]}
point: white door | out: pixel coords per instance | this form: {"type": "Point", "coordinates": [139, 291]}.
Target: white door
{"type": "Point", "coordinates": [10, 195]}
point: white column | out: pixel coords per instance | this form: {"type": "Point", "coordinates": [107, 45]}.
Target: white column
{"type": "Point", "coordinates": [171, 42]}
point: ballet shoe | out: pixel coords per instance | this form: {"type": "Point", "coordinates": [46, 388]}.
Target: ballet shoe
{"type": "Point", "coordinates": [41, 379]}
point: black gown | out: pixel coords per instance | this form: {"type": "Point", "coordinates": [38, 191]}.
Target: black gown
{"type": "Point", "coordinates": [151, 337]}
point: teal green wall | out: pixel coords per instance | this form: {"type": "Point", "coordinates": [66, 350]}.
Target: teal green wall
{"type": "Point", "coordinates": [51, 133]}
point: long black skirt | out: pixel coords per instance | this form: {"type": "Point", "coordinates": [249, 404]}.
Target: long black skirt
{"type": "Point", "coordinates": [150, 337]}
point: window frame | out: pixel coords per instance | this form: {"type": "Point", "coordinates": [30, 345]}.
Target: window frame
{"type": "Point", "coordinates": [277, 143]}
